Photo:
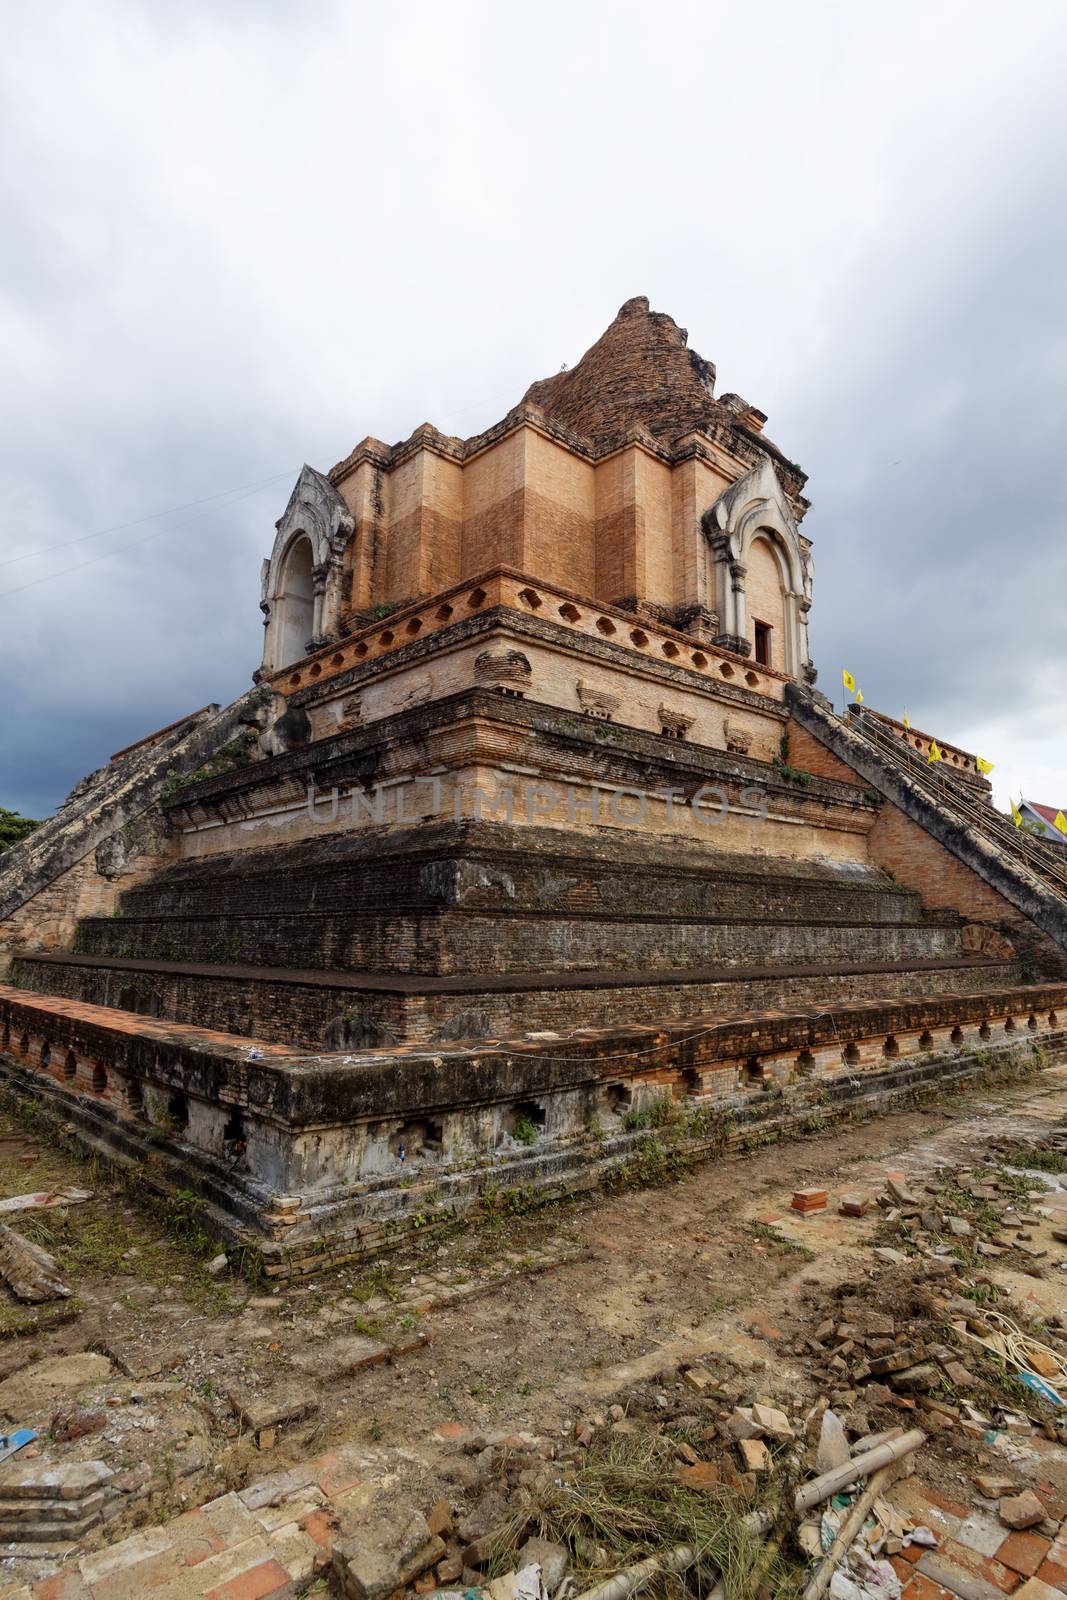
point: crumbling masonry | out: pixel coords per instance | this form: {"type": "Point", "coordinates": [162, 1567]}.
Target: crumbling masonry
{"type": "Point", "coordinates": [533, 831]}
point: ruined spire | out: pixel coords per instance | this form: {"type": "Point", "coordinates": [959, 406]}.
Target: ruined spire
{"type": "Point", "coordinates": [639, 374]}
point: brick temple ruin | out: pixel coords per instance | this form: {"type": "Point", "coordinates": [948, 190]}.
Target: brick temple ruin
{"type": "Point", "coordinates": [533, 829]}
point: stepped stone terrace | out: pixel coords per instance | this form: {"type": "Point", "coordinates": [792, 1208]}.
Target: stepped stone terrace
{"type": "Point", "coordinates": [532, 849]}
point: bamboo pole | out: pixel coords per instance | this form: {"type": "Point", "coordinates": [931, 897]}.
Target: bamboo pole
{"type": "Point", "coordinates": [851, 1526]}
{"type": "Point", "coordinates": [682, 1556]}
{"type": "Point", "coordinates": [831, 1483]}
{"type": "Point", "coordinates": [631, 1578]}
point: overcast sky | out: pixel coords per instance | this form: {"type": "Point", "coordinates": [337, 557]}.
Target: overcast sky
{"type": "Point", "coordinates": [237, 237]}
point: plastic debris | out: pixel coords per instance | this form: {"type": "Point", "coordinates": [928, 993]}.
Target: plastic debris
{"type": "Point", "coordinates": [11, 1443]}
{"type": "Point", "coordinates": [63, 1196]}
{"type": "Point", "coordinates": [1039, 1386]}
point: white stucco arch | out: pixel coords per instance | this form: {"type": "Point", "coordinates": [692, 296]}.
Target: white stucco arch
{"type": "Point", "coordinates": [293, 601]}
{"type": "Point", "coordinates": [756, 508]}
{"type": "Point", "coordinates": [316, 520]}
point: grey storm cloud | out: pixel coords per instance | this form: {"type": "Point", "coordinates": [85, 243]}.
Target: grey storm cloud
{"type": "Point", "coordinates": [238, 238]}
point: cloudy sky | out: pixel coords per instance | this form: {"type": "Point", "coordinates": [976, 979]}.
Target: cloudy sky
{"type": "Point", "coordinates": [240, 237]}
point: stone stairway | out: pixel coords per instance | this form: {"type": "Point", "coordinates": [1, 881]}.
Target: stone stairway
{"type": "Point", "coordinates": [1039, 858]}
{"type": "Point", "coordinates": [1016, 868]}
{"type": "Point", "coordinates": [109, 826]}
{"type": "Point", "coordinates": [464, 934]}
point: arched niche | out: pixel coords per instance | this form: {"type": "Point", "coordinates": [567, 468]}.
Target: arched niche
{"type": "Point", "coordinates": [766, 587]}
{"type": "Point", "coordinates": [760, 563]}
{"type": "Point", "coordinates": [293, 604]}
{"type": "Point", "coordinates": [301, 582]}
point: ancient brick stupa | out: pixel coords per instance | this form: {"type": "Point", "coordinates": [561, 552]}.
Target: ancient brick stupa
{"type": "Point", "coordinates": [534, 819]}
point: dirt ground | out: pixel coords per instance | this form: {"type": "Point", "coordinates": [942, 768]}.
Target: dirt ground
{"type": "Point", "coordinates": [523, 1323]}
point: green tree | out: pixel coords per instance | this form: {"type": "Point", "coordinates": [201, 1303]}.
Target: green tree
{"type": "Point", "coordinates": [13, 827]}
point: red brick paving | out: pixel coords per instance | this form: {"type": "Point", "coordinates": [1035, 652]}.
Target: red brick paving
{"type": "Point", "coordinates": [1024, 1552]}
{"type": "Point", "coordinates": [953, 1557]}
{"type": "Point", "coordinates": [258, 1583]}
{"type": "Point", "coordinates": [921, 1588]}
{"type": "Point", "coordinates": [1052, 1573]}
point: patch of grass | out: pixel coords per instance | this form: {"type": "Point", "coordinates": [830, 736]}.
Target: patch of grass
{"type": "Point", "coordinates": [511, 1199]}
{"type": "Point", "coordinates": [19, 1322]}
{"type": "Point", "coordinates": [625, 1497]}
{"type": "Point", "coordinates": [814, 1125]}
{"type": "Point", "coordinates": [367, 1327]}
{"type": "Point", "coordinates": [781, 1242]}
{"type": "Point", "coordinates": [658, 1112]}
{"type": "Point", "coordinates": [982, 1213]}
{"type": "Point", "coordinates": [1017, 1186]}
{"type": "Point", "coordinates": [1054, 1161]}
{"type": "Point", "coordinates": [984, 1293]}
{"type": "Point", "coordinates": [379, 1283]}
{"type": "Point", "coordinates": [163, 1244]}
{"type": "Point", "coordinates": [649, 1162]}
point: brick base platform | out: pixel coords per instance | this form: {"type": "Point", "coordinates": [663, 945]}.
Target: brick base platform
{"type": "Point", "coordinates": [309, 1159]}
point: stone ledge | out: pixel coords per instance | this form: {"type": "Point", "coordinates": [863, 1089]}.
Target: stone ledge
{"type": "Point", "coordinates": [341, 1153]}
{"type": "Point", "coordinates": [304, 1089]}
{"type": "Point", "coordinates": [488, 983]}
{"type": "Point", "coordinates": [348, 756]}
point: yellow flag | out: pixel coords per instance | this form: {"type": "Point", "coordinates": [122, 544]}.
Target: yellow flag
{"type": "Point", "coordinates": [1016, 815]}
{"type": "Point", "coordinates": [935, 754]}
{"type": "Point", "coordinates": [1060, 822]}
{"type": "Point", "coordinates": [984, 766]}
{"type": "Point", "coordinates": [907, 720]}
{"type": "Point", "coordinates": [859, 697]}
{"type": "Point", "coordinates": [847, 679]}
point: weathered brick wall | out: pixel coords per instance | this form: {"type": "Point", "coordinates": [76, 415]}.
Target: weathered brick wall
{"type": "Point", "coordinates": [807, 754]}
{"type": "Point", "coordinates": [913, 857]}
{"type": "Point", "coordinates": [517, 900]}
{"type": "Point", "coordinates": [494, 1014]}
{"type": "Point", "coordinates": [48, 921]}
{"type": "Point", "coordinates": [510, 942]}
{"type": "Point", "coordinates": [615, 530]}
{"type": "Point", "coordinates": [307, 1015]}
{"type": "Point", "coordinates": [920, 862]}
{"type": "Point", "coordinates": [654, 529]}
{"type": "Point", "coordinates": [917, 860]}
{"type": "Point", "coordinates": [559, 515]}
{"type": "Point", "coordinates": [494, 484]}
{"type": "Point", "coordinates": [109, 831]}
{"type": "Point", "coordinates": [417, 549]}
{"type": "Point", "coordinates": [492, 866]}
{"type": "Point", "coordinates": [486, 742]}
{"type": "Point", "coordinates": [559, 679]}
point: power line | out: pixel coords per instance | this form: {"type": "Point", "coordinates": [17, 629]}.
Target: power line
{"type": "Point", "coordinates": [106, 554]}
{"type": "Point", "coordinates": [223, 498]}
{"type": "Point", "coordinates": [134, 522]}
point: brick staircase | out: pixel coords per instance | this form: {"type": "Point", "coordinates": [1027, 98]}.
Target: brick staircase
{"type": "Point", "coordinates": [1019, 869]}
{"type": "Point", "coordinates": [1042, 858]}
